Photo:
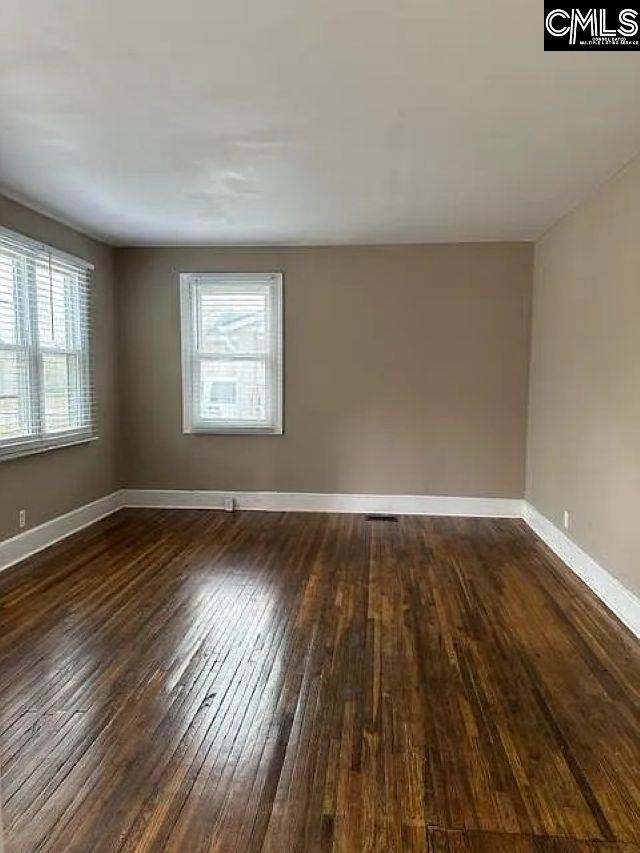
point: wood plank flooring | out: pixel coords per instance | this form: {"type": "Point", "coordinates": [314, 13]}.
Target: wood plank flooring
{"type": "Point", "coordinates": [202, 681]}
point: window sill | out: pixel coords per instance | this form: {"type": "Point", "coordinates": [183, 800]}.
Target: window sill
{"type": "Point", "coordinates": [17, 452]}
{"type": "Point", "coordinates": [233, 431]}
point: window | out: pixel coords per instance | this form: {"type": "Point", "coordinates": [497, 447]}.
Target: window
{"type": "Point", "coordinates": [232, 352]}
{"type": "Point", "coordinates": [45, 376]}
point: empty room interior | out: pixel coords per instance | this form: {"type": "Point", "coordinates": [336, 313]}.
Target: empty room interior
{"type": "Point", "coordinates": [319, 427]}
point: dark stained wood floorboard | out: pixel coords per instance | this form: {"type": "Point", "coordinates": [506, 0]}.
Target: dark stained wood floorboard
{"type": "Point", "coordinates": [201, 681]}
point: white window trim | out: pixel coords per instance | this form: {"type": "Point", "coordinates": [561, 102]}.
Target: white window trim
{"type": "Point", "coordinates": [186, 326]}
{"type": "Point", "coordinates": [36, 245]}
{"type": "Point", "coordinates": [70, 439]}
{"type": "Point", "coordinates": [17, 447]}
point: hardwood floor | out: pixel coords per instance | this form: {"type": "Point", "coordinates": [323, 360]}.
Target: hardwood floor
{"type": "Point", "coordinates": [193, 680]}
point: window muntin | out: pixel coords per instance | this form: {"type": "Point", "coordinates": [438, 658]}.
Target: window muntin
{"type": "Point", "coordinates": [45, 377]}
{"type": "Point", "coordinates": [232, 352]}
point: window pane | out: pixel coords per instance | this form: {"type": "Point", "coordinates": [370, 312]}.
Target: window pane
{"type": "Point", "coordinates": [14, 417]}
{"type": "Point", "coordinates": [232, 351]}
{"type": "Point", "coordinates": [55, 295]}
{"type": "Point", "coordinates": [45, 367]}
{"type": "Point", "coordinates": [8, 308]}
{"type": "Point", "coordinates": [233, 321]}
{"type": "Point", "coordinates": [59, 379]}
{"type": "Point", "coordinates": [235, 391]}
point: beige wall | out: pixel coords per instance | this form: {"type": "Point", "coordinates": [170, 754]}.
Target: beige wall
{"type": "Point", "coordinates": [49, 484]}
{"type": "Point", "coordinates": [406, 371]}
{"type": "Point", "coordinates": [584, 423]}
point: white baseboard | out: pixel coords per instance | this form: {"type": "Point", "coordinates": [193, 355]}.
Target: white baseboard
{"type": "Point", "coordinates": [31, 541]}
{"type": "Point", "coordinates": [321, 502]}
{"type": "Point", "coordinates": [624, 604]}
{"type": "Point", "coordinates": [36, 538]}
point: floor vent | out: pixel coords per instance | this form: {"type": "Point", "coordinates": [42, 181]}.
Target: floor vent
{"type": "Point", "coordinates": [381, 518]}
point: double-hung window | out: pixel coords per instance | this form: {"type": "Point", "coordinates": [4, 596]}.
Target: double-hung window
{"type": "Point", "coordinates": [232, 352]}
{"type": "Point", "coordinates": [45, 374]}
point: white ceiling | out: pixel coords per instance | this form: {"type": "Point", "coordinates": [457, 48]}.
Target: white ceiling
{"type": "Point", "coordinates": [305, 121]}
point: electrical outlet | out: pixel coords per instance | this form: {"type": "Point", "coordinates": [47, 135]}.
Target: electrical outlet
{"type": "Point", "coordinates": [22, 518]}
{"type": "Point", "coordinates": [566, 519]}
{"type": "Point", "coordinates": [229, 504]}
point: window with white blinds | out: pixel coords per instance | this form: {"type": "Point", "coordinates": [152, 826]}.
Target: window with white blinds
{"type": "Point", "coordinates": [232, 352]}
{"type": "Point", "coordinates": [45, 371]}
